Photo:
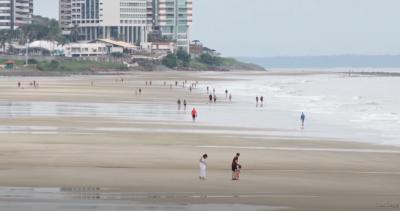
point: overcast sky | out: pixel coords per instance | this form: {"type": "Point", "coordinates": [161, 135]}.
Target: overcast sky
{"type": "Point", "coordinates": [289, 27]}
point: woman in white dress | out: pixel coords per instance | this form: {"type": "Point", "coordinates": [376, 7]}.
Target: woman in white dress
{"type": "Point", "coordinates": [203, 167]}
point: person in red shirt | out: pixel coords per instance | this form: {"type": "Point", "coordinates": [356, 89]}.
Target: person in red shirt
{"type": "Point", "coordinates": [194, 114]}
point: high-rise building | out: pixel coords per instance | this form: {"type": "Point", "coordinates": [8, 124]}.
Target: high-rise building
{"type": "Point", "coordinates": [15, 13]}
{"type": "Point", "coordinates": [125, 20]}
{"type": "Point", "coordinates": [173, 18]}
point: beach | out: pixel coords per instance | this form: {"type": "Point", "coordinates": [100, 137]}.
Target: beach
{"type": "Point", "coordinates": [110, 144]}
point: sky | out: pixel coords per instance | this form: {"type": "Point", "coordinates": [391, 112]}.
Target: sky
{"type": "Point", "coordinates": [265, 28]}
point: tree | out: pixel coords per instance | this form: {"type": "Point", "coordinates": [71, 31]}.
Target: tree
{"type": "Point", "coordinates": [170, 60]}
{"type": "Point", "coordinates": [183, 57]}
{"type": "Point", "coordinates": [74, 33]}
{"type": "Point", "coordinates": [210, 60]}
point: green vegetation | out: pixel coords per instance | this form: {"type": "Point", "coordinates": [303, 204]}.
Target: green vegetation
{"type": "Point", "coordinates": [170, 61]}
{"type": "Point", "coordinates": [178, 59]}
{"type": "Point", "coordinates": [17, 62]}
{"type": "Point", "coordinates": [78, 65]}
{"type": "Point", "coordinates": [40, 29]}
{"type": "Point", "coordinates": [182, 59]}
{"type": "Point", "coordinates": [212, 61]}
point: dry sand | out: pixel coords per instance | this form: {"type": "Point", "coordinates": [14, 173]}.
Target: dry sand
{"type": "Point", "coordinates": [304, 174]}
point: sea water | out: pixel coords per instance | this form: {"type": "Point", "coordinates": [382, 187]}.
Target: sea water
{"type": "Point", "coordinates": [338, 105]}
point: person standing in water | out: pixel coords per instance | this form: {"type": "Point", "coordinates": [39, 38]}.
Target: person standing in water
{"type": "Point", "coordinates": [194, 114]}
{"type": "Point", "coordinates": [203, 167]}
{"type": "Point", "coordinates": [303, 119]}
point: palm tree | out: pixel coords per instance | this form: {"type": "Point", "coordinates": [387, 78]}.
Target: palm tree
{"type": "Point", "coordinates": [74, 33]}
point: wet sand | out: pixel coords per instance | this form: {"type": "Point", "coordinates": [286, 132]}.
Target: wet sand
{"type": "Point", "coordinates": [155, 160]}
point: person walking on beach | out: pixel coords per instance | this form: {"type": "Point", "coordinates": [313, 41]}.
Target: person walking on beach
{"type": "Point", "coordinates": [257, 101]}
{"type": "Point", "coordinates": [194, 114]}
{"type": "Point", "coordinates": [262, 101]}
{"type": "Point", "coordinates": [179, 104]}
{"type": "Point", "coordinates": [210, 97]}
{"type": "Point", "coordinates": [203, 167]}
{"type": "Point", "coordinates": [230, 97]}
{"type": "Point", "coordinates": [19, 84]}
{"type": "Point", "coordinates": [215, 98]}
{"type": "Point", "coordinates": [226, 93]}
{"type": "Point", "coordinates": [303, 119]}
{"type": "Point", "coordinates": [236, 167]}
{"type": "Point", "coordinates": [208, 89]}
{"type": "Point", "coordinates": [184, 104]}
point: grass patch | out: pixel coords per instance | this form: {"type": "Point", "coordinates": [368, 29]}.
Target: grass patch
{"type": "Point", "coordinates": [79, 65]}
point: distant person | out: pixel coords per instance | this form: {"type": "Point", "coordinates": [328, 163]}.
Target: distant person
{"type": "Point", "coordinates": [226, 93]}
{"type": "Point", "coordinates": [230, 97]}
{"type": "Point", "coordinates": [214, 91]}
{"type": "Point", "coordinates": [150, 83]}
{"type": "Point", "coordinates": [179, 104]}
{"type": "Point", "coordinates": [190, 89]}
{"type": "Point", "coordinates": [184, 104]}
{"type": "Point", "coordinates": [165, 83]}
{"type": "Point", "coordinates": [257, 99]}
{"type": "Point", "coordinates": [210, 97]}
{"type": "Point", "coordinates": [176, 83]}
{"type": "Point", "coordinates": [203, 167]}
{"type": "Point", "coordinates": [194, 114]}
{"type": "Point", "coordinates": [215, 98]}
{"type": "Point", "coordinates": [140, 91]}
{"type": "Point", "coordinates": [262, 100]}
{"type": "Point", "coordinates": [208, 89]}
{"type": "Point", "coordinates": [303, 119]}
{"type": "Point", "coordinates": [146, 83]}
{"type": "Point", "coordinates": [19, 84]}
{"type": "Point", "coordinates": [236, 167]}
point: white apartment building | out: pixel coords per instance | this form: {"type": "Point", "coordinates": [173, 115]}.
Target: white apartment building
{"type": "Point", "coordinates": [174, 18]}
{"type": "Point", "coordinates": [15, 13]}
{"type": "Point", "coordinates": [125, 20]}
{"type": "Point", "coordinates": [128, 20]}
